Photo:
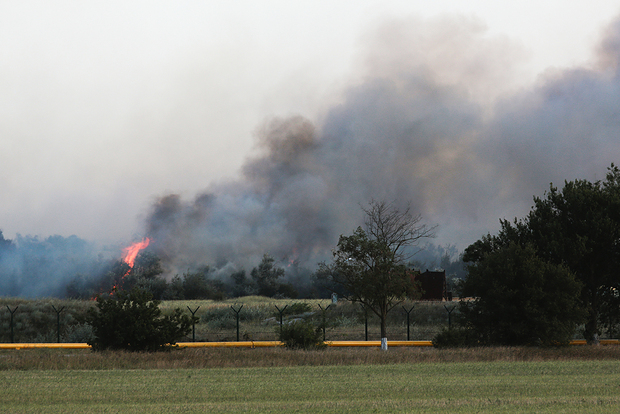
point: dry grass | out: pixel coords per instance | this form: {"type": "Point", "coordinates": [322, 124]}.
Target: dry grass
{"type": "Point", "coordinates": [59, 359]}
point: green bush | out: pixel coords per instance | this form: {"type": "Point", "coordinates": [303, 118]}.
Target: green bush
{"type": "Point", "coordinates": [301, 335]}
{"type": "Point", "coordinates": [456, 338]}
{"type": "Point", "coordinates": [82, 332]}
{"type": "Point", "coordinates": [132, 320]}
{"type": "Point", "coordinates": [223, 322]}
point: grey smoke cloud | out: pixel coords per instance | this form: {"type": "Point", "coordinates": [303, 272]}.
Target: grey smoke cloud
{"type": "Point", "coordinates": [433, 118]}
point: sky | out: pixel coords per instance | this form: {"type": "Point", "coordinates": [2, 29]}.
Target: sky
{"type": "Point", "coordinates": [116, 114]}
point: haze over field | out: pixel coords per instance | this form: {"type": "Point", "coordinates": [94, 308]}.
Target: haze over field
{"type": "Point", "coordinates": [225, 132]}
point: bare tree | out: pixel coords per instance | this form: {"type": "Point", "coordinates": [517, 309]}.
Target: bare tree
{"type": "Point", "coordinates": [369, 266]}
{"type": "Point", "coordinates": [397, 229]}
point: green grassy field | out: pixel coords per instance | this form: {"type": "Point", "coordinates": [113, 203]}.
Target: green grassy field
{"type": "Point", "coordinates": [376, 384]}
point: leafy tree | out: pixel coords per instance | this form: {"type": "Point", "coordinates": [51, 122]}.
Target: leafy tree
{"type": "Point", "coordinates": [241, 285]}
{"type": "Point", "coordinates": [578, 227]}
{"type": "Point", "coordinates": [106, 278]}
{"type": "Point", "coordinates": [131, 320]}
{"type": "Point", "coordinates": [369, 266]}
{"type": "Point", "coordinates": [80, 287]}
{"type": "Point", "coordinates": [145, 274]}
{"type": "Point", "coordinates": [175, 290]}
{"type": "Point", "coordinates": [610, 310]}
{"type": "Point", "coordinates": [197, 285]}
{"type": "Point", "coordinates": [301, 335]}
{"type": "Point", "coordinates": [520, 299]}
{"type": "Point", "coordinates": [147, 266]}
{"type": "Point", "coordinates": [266, 276]}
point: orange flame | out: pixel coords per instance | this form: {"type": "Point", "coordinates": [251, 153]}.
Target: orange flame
{"type": "Point", "coordinates": [293, 259]}
{"type": "Point", "coordinates": [129, 256]}
{"type": "Point", "coordinates": [131, 252]}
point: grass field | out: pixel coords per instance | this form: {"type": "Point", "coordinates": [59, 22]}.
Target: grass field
{"type": "Point", "coordinates": [551, 386]}
{"type": "Point", "coordinates": [504, 380]}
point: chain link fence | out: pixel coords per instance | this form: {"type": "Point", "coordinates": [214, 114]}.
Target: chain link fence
{"type": "Point", "coordinates": [52, 320]}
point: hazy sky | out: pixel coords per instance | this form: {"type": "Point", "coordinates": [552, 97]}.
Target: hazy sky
{"type": "Point", "coordinates": [105, 106]}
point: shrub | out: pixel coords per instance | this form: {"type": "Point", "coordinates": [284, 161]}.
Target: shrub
{"type": "Point", "coordinates": [223, 322]}
{"type": "Point", "coordinates": [301, 335]}
{"type": "Point", "coordinates": [456, 338]}
{"type": "Point", "coordinates": [132, 320]}
{"type": "Point", "coordinates": [82, 332]}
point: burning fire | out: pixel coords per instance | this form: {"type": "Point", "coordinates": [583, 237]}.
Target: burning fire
{"type": "Point", "coordinates": [293, 259]}
{"type": "Point", "coordinates": [131, 252]}
{"type": "Point", "coordinates": [129, 256]}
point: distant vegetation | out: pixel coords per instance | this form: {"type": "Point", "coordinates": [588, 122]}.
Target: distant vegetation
{"type": "Point", "coordinates": [69, 267]}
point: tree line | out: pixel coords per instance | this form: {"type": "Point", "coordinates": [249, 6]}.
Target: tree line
{"type": "Point", "coordinates": [70, 267]}
{"type": "Point", "coordinates": [533, 283]}
{"type": "Point", "coordinates": [555, 269]}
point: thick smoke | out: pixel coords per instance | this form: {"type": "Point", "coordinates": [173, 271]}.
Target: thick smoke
{"type": "Point", "coordinates": [281, 207]}
{"type": "Point", "coordinates": [434, 119]}
{"type": "Point", "coordinates": [34, 267]}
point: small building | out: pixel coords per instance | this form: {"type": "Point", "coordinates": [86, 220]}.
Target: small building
{"type": "Point", "coordinates": [433, 285]}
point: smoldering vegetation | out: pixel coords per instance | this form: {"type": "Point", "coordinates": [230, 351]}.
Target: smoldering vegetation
{"type": "Point", "coordinates": [60, 267]}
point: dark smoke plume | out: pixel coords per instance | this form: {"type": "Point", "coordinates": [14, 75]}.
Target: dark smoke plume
{"type": "Point", "coordinates": [434, 119]}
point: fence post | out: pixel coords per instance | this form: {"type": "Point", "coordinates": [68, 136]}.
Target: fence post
{"type": "Point", "coordinates": [193, 312]}
{"type": "Point", "coordinates": [449, 315]}
{"type": "Point", "coordinates": [281, 312]}
{"type": "Point", "coordinates": [58, 321]}
{"type": "Point", "coordinates": [237, 314]}
{"type": "Point", "coordinates": [12, 312]}
{"type": "Point", "coordinates": [323, 312]}
{"type": "Point", "coordinates": [408, 312]}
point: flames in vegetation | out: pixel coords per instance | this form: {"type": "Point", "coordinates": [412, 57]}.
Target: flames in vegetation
{"type": "Point", "coordinates": [130, 253]}
{"type": "Point", "coordinates": [129, 256]}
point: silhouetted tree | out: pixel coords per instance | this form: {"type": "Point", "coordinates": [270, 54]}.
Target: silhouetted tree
{"type": "Point", "coordinates": [266, 276]}
{"type": "Point", "coordinates": [369, 266]}
{"type": "Point", "coordinates": [132, 320]}
{"type": "Point", "coordinates": [241, 285]}
{"type": "Point", "coordinates": [520, 299]}
{"type": "Point", "coordinates": [578, 227]}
